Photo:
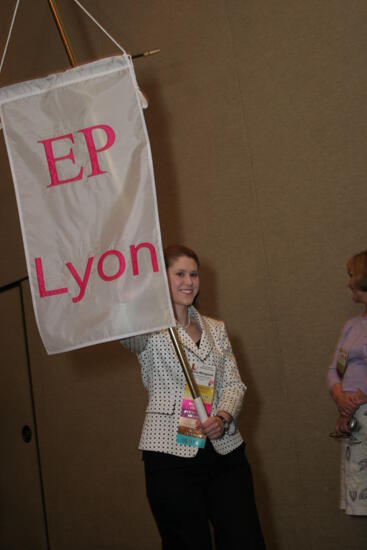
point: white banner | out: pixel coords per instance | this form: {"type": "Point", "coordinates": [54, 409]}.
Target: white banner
{"type": "Point", "coordinates": [83, 175]}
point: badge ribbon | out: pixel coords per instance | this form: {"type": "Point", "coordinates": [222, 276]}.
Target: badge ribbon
{"type": "Point", "coordinates": [188, 433]}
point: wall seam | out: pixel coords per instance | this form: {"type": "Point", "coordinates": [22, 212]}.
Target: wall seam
{"type": "Point", "coordinates": [33, 406]}
{"type": "Point", "coordinates": [261, 229]}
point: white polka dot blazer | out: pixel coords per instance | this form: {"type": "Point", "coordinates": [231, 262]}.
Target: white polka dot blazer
{"type": "Point", "coordinates": [165, 382]}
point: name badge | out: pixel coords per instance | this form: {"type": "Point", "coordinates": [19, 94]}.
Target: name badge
{"type": "Point", "coordinates": [341, 362]}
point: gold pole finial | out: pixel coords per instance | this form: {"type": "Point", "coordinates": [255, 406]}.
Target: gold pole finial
{"type": "Point", "coordinates": [145, 54]}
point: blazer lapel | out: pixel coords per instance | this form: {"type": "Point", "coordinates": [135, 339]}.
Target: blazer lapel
{"type": "Point", "coordinates": [206, 341]}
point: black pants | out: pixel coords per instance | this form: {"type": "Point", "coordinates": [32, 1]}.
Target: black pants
{"type": "Point", "coordinates": [186, 493]}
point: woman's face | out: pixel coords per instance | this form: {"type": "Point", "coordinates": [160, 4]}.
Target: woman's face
{"type": "Point", "coordinates": [183, 279]}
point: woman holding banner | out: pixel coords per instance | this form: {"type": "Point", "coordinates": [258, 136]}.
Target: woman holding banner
{"type": "Point", "coordinates": [196, 472]}
{"type": "Point", "coordinates": [347, 377]}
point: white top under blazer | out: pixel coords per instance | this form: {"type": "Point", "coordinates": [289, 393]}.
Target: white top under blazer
{"type": "Point", "coordinates": [165, 382]}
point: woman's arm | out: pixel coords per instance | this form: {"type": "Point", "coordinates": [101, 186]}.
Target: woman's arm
{"type": "Point", "coordinates": [347, 403]}
{"type": "Point", "coordinates": [232, 389]}
{"type": "Point", "coordinates": [343, 401]}
{"type": "Point", "coordinates": [341, 426]}
{"type": "Point", "coordinates": [358, 398]}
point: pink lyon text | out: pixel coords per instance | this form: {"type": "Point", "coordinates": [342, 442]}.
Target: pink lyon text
{"type": "Point", "coordinates": [82, 279]}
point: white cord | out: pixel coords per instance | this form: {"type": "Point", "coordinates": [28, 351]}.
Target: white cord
{"type": "Point", "coordinates": [81, 7]}
{"type": "Point", "coordinates": [9, 35]}
{"type": "Point", "coordinates": [100, 26]}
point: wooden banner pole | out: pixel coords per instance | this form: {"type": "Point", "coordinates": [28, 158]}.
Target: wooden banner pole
{"type": "Point", "coordinates": [199, 405]}
{"type": "Point", "coordinates": [61, 30]}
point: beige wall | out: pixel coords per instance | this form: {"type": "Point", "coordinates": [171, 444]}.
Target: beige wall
{"type": "Point", "coordinates": [257, 127]}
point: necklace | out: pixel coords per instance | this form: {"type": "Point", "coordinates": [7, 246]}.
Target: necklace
{"type": "Point", "coordinates": [185, 327]}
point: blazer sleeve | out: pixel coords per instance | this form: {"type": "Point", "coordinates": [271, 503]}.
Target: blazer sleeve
{"type": "Point", "coordinates": [232, 389]}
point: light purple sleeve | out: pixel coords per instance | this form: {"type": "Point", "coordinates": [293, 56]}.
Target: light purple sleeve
{"type": "Point", "coordinates": [332, 375]}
